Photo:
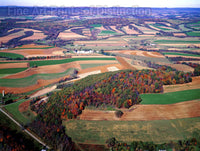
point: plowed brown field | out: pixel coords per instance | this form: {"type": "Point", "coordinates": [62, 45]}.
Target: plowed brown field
{"type": "Point", "coordinates": [124, 63]}
{"type": "Point", "coordinates": [13, 65]}
{"type": "Point", "coordinates": [148, 112]}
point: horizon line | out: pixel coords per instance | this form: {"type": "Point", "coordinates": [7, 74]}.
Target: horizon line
{"type": "Point", "coordinates": [100, 6]}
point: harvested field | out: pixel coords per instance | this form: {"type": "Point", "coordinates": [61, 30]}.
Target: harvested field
{"type": "Point", "coordinates": [43, 91]}
{"type": "Point", "coordinates": [187, 109]}
{"type": "Point", "coordinates": [5, 39]}
{"type": "Point", "coordinates": [68, 35]}
{"type": "Point", "coordinates": [40, 83]}
{"type": "Point", "coordinates": [179, 34]}
{"type": "Point", "coordinates": [14, 65]}
{"type": "Point", "coordinates": [179, 67]}
{"type": "Point", "coordinates": [130, 31]}
{"type": "Point", "coordinates": [139, 53]}
{"type": "Point", "coordinates": [24, 106]}
{"type": "Point", "coordinates": [37, 52]}
{"type": "Point", "coordinates": [195, 84]}
{"type": "Point", "coordinates": [83, 75]}
{"type": "Point", "coordinates": [157, 131]}
{"type": "Point", "coordinates": [145, 30]}
{"type": "Point", "coordinates": [101, 43]}
{"type": "Point", "coordinates": [182, 67]}
{"type": "Point", "coordinates": [113, 68]}
{"type": "Point", "coordinates": [125, 63]}
{"type": "Point", "coordinates": [168, 55]}
{"type": "Point", "coordinates": [115, 29]}
{"type": "Point", "coordinates": [44, 70]}
{"type": "Point", "coordinates": [102, 68]}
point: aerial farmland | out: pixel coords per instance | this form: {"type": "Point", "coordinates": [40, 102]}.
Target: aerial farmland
{"type": "Point", "coordinates": [101, 82]}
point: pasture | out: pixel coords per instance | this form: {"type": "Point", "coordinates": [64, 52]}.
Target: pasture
{"type": "Point", "coordinates": [171, 97]}
{"type": "Point", "coordinates": [13, 109]}
{"type": "Point", "coordinates": [31, 80]}
{"type": "Point", "coordinates": [11, 55]}
{"type": "Point", "coordinates": [158, 131]}
{"type": "Point", "coordinates": [180, 54]}
{"type": "Point", "coordinates": [4, 72]}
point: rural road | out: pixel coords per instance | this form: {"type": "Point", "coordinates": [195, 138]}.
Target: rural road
{"type": "Point", "coordinates": [26, 131]}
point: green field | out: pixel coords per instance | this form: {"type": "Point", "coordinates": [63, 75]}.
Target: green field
{"type": "Point", "coordinates": [33, 48]}
{"type": "Point", "coordinates": [158, 131]}
{"type": "Point", "coordinates": [53, 62]}
{"type": "Point", "coordinates": [176, 41]}
{"type": "Point", "coordinates": [171, 97]}
{"type": "Point", "coordinates": [180, 54]}
{"type": "Point", "coordinates": [13, 109]}
{"type": "Point", "coordinates": [85, 66]}
{"type": "Point", "coordinates": [11, 70]}
{"type": "Point", "coordinates": [193, 33]}
{"type": "Point", "coordinates": [11, 55]}
{"type": "Point", "coordinates": [159, 26]}
{"type": "Point", "coordinates": [108, 32]}
{"type": "Point", "coordinates": [31, 80]}
{"type": "Point", "coordinates": [96, 25]}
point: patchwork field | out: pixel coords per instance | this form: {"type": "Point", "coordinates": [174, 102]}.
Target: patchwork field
{"type": "Point", "coordinates": [69, 35]}
{"type": "Point", "coordinates": [5, 39]}
{"type": "Point", "coordinates": [158, 131]}
{"type": "Point", "coordinates": [129, 31]}
{"type": "Point", "coordinates": [36, 50]}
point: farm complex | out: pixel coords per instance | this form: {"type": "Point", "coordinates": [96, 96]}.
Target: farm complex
{"type": "Point", "coordinates": [98, 82]}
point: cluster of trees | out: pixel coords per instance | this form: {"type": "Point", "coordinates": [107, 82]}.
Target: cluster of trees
{"type": "Point", "coordinates": [47, 57]}
{"type": "Point", "coordinates": [15, 141]}
{"type": "Point", "coordinates": [120, 89]}
{"type": "Point", "coordinates": [191, 144]}
{"type": "Point", "coordinates": [196, 67]}
{"type": "Point", "coordinates": [182, 59]}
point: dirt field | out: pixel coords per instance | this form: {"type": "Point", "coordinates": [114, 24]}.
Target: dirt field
{"type": "Point", "coordinates": [148, 112]}
{"type": "Point", "coordinates": [24, 106]}
{"type": "Point", "coordinates": [14, 65]}
{"type": "Point", "coordinates": [195, 84]}
{"type": "Point", "coordinates": [68, 35]}
{"type": "Point", "coordinates": [101, 43]}
{"type": "Point", "coordinates": [114, 28]}
{"type": "Point", "coordinates": [43, 91]}
{"type": "Point", "coordinates": [130, 31]}
{"type": "Point", "coordinates": [37, 52]}
{"type": "Point", "coordinates": [125, 63]}
{"type": "Point", "coordinates": [179, 67]}
{"type": "Point", "coordinates": [44, 69]}
{"type": "Point", "coordinates": [102, 68]}
{"type": "Point", "coordinates": [140, 53]}
{"type": "Point", "coordinates": [5, 39]}
{"type": "Point", "coordinates": [179, 34]}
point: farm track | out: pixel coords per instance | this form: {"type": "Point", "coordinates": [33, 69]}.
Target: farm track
{"type": "Point", "coordinates": [186, 109]}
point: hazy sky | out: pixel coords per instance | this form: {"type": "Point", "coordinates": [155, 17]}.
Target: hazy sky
{"type": "Point", "coordinates": [108, 3]}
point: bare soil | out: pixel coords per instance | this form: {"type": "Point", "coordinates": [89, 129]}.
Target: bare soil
{"type": "Point", "coordinates": [147, 112]}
